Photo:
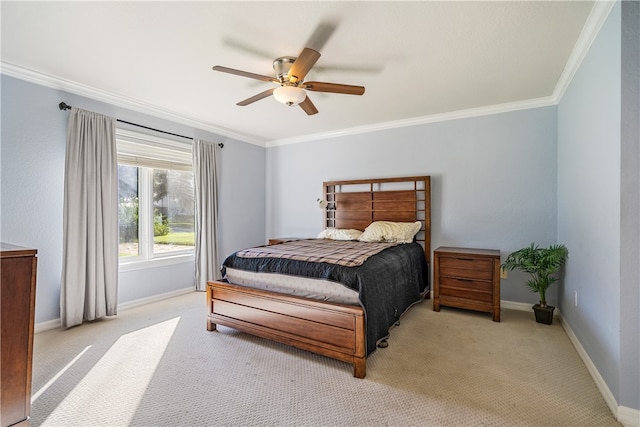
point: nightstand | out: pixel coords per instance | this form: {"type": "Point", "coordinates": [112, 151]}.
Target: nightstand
{"type": "Point", "coordinates": [467, 278]}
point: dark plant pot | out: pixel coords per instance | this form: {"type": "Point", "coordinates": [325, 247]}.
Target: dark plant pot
{"type": "Point", "coordinates": [544, 314]}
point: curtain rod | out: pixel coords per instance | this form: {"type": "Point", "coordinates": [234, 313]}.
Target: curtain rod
{"type": "Point", "coordinates": [64, 106]}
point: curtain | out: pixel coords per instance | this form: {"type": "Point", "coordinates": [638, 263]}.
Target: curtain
{"type": "Point", "coordinates": [206, 188]}
{"type": "Point", "coordinates": [89, 284]}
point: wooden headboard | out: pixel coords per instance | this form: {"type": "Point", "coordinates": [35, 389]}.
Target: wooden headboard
{"type": "Point", "coordinates": [357, 203]}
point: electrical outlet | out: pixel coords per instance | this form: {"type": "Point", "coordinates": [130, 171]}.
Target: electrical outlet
{"type": "Point", "coordinates": [503, 273]}
{"type": "Point", "coordinates": [575, 298]}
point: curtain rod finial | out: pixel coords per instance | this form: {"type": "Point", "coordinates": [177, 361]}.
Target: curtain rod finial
{"type": "Point", "coordinates": [63, 106]}
{"type": "Point", "coordinates": [221, 145]}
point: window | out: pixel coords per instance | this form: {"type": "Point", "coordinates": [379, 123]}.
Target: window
{"type": "Point", "coordinates": [156, 198]}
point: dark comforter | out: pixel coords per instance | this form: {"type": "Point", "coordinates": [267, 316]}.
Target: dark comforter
{"type": "Point", "coordinates": [388, 283]}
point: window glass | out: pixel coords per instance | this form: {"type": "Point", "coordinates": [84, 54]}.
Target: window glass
{"type": "Point", "coordinates": [173, 211]}
{"type": "Point", "coordinates": [128, 210]}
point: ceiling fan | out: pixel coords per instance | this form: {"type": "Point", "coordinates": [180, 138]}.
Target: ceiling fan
{"type": "Point", "coordinates": [289, 75]}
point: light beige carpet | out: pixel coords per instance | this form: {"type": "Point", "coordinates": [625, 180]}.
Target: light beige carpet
{"type": "Point", "coordinates": [158, 366]}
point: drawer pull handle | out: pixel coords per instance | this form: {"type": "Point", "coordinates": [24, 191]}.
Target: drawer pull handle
{"type": "Point", "coordinates": [459, 279]}
{"type": "Point", "coordinates": [464, 259]}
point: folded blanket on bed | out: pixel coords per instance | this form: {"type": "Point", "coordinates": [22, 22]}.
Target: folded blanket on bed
{"type": "Point", "coordinates": [346, 253]}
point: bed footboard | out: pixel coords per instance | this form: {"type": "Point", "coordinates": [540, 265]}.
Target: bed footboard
{"type": "Point", "coordinates": [328, 329]}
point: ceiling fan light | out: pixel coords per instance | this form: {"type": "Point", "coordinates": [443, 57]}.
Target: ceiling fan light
{"type": "Point", "coordinates": [289, 95]}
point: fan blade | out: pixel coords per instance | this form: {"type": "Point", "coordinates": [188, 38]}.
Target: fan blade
{"type": "Point", "coordinates": [321, 35]}
{"type": "Point", "coordinates": [347, 69]}
{"type": "Point", "coordinates": [308, 106]}
{"type": "Point", "coordinates": [333, 88]}
{"type": "Point", "coordinates": [257, 97]}
{"type": "Point", "coordinates": [244, 73]}
{"type": "Point", "coordinates": [303, 64]}
{"type": "Point", "coordinates": [238, 45]}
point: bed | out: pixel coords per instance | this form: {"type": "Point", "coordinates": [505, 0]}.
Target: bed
{"type": "Point", "coordinates": [343, 330]}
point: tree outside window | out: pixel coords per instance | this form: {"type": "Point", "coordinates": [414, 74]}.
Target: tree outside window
{"type": "Point", "coordinates": [156, 212]}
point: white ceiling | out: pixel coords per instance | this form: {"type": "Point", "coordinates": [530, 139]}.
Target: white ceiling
{"type": "Point", "coordinates": [417, 60]}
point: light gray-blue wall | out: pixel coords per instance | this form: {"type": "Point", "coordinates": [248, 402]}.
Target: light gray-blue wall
{"type": "Point", "coordinates": [589, 200]}
{"type": "Point", "coordinates": [493, 180]}
{"type": "Point", "coordinates": [598, 206]}
{"type": "Point", "coordinates": [32, 156]}
{"type": "Point", "coordinates": [630, 208]}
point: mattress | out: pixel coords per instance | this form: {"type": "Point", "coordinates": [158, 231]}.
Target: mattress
{"type": "Point", "coordinates": [305, 287]}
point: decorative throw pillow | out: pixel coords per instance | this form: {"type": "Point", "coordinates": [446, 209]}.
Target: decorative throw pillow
{"type": "Point", "coordinates": [387, 231]}
{"type": "Point", "coordinates": [340, 234]}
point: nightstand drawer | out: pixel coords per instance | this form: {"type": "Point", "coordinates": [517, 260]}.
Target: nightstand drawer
{"type": "Point", "coordinates": [469, 294]}
{"type": "Point", "coordinates": [468, 284]}
{"type": "Point", "coordinates": [469, 268]}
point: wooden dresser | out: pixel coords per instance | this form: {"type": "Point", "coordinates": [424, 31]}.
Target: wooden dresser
{"type": "Point", "coordinates": [467, 278]}
{"type": "Point", "coordinates": [17, 309]}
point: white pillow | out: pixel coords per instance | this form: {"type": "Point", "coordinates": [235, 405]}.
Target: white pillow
{"type": "Point", "coordinates": [340, 234]}
{"type": "Point", "coordinates": [387, 231]}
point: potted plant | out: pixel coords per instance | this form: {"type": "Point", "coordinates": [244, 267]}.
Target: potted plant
{"type": "Point", "coordinates": [543, 265]}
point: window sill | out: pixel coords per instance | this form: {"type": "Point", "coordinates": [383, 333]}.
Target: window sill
{"type": "Point", "coordinates": [156, 262]}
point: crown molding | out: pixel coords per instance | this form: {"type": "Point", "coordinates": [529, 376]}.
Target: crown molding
{"type": "Point", "coordinates": [592, 26]}
{"type": "Point", "coordinates": [58, 83]}
{"type": "Point", "coordinates": [120, 101]}
{"type": "Point", "coordinates": [434, 118]}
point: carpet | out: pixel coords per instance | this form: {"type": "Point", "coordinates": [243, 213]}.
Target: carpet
{"type": "Point", "coordinates": [157, 365]}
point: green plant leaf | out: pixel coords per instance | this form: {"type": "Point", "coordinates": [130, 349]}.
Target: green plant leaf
{"type": "Point", "coordinates": [542, 264]}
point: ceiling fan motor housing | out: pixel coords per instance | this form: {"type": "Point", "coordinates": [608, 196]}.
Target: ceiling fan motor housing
{"type": "Point", "coordinates": [282, 66]}
{"type": "Point", "coordinates": [289, 74]}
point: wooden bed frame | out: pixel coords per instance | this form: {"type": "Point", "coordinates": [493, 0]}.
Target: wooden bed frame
{"type": "Point", "coordinates": [334, 330]}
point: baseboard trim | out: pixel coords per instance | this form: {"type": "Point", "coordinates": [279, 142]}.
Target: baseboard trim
{"type": "Point", "coordinates": [628, 416]}
{"type": "Point", "coordinates": [154, 298]}
{"type": "Point", "coordinates": [522, 306]}
{"type": "Point", "coordinates": [46, 325]}
{"type": "Point", "coordinates": [55, 323]}
{"type": "Point", "coordinates": [512, 305]}
{"type": "Point", "coordinates": [610, 400]}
